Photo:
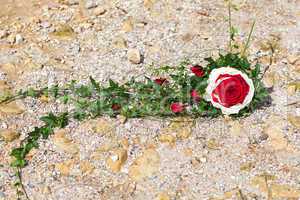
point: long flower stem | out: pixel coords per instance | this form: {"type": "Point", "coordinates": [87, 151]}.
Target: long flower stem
{"type": "Point", "coordinates": [248, 39]}
{"type": "Point", "coordinates": [19, 176]}
{"type": "Point", "coordinates": [230, 25]}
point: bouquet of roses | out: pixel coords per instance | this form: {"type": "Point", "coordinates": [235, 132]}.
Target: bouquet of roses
{"type": "Point", "coordinates": [228, 84]}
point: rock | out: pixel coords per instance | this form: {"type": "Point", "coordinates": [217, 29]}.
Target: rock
{"type": "Point", "coordinates": [293, 87]}
{"type": "Point", "coordinates": [46, 190]}
{"type": "Point", "coordinates": [65, 167]}
{"type": "Point", "coordinates": [3, 34]}
{"type": "Point", "coordinates": [261, 181]}
{"type": "Point", "coordinates": [213, 144]}
{"type": "Point", "coordinates": [195, 162]}
{"type": "Point", "coordinates": [291, 90]}
{"type": "Point", "coordinates": [9, 135]}
{"type": "Point", "coordinates": [236, 128]}
{"type": "Point", "coordinates": [31, 154]}
{"type": "Point", "coordinates": [125, 143]}
{"type": "Point", "coordinates": [167, 138]}
{"type": "Point", "coordinates": [203, 159]}
{"type": "Point", "coordinates": [5, 90]}
{"type": "Point", "coordinates": [181, 127]}
{"type": "Point", "coordinates": [269, 79]}
{"type": "Point", "coordinates": [248, 166]}
{"type": "Point", "coordinates": [294, 120]}
{"type": "Point", "coordinates": [297, 68]}
{"type": "Point", "coordinates": [11, 108]}
{"type": "Point", "coordinates": [116, 160]}
{"type": "Point", "coordinates": [278, 191]}
{"type": "Point", "coordinates": [273, 129]}
{"type": "Point", "coordinates": [134, 56]}
{"type": "Point", "coordinates": [86, 167]}
{"type": "Point", "coordinates": [11, 38]}
{"type": "Point", "coordinates": [163, 196]}
{"type": "Point", "coordinates": [284, 191]}
{"type": "Point", "coordinates": [63, 143]}
{"type": "Point", "coordinates": [120, 43]}
{"type": "Point", "coordinates": [3, 85]}
{"type": "Point", "coordinates": [188, 37]}
{"type": "Point", "coordinates": [45, 24]}
{"type": "Point", "coordinates": [292, 59]}
{"type": "Point", "coordinates": [184, 133]}
{"type": "Point", "coordinates": [188, 152]}
{"type": "Point", "coordinates": [29, 64]}
{"type": "Point", "coordinates": [64, 31]}
{"type": "Point", "coordinates": [19, 39]}
{"type": "Point", "coordinates": [145, 166]}
{"type": "Point", "coordinates": [104, 127]}
{"type": "Point", "coordinates": [128, 25]}
{"type": "Point", "coordinates": [90, 4]}
{"type": "Point", "coordinates": [10, 69]}
{"type": "Point", "coordinates": [122, 119]}
{"type": "Point", "coordinates": [99, 11]}
{"type": "Point", "coordinates": [44, 99]}
{"type": "Point", "coordinates": [149, 3]}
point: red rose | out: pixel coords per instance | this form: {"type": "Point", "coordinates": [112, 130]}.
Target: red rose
{"type": "Point", "coordinates": [195, 96]}
{"type": "Point", "coordinates": [160, 81]}
{"type": "Point", "coordinates": [177, 107]}
{"type": "Point", "coordinates": [198, 70]}
{"type": "Point", "coordinates": [116, 106]}
{"type": "Point", "coordinates": [229, 89]}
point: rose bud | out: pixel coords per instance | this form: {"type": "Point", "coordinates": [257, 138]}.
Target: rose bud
{"type": "Point", "coordinates": [160, 81]}
{"type": "Point", "coordinates": [177, 107]}
{"type": "Point", "coordinates": [116, 106]}
{"type": "Point", "coordinates": [195, 96]}
{"type": "Point", "coordinates": [197, 70]}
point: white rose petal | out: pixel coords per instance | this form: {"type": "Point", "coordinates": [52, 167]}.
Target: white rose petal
{"type": "Point", "coordinates": [212, 84]}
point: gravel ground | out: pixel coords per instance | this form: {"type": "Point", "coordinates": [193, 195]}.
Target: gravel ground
{"type": "Point", "coordinates": [48, 42]}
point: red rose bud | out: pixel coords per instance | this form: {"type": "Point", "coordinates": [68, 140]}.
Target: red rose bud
{"type": "Point", "coordinates": [195, 96]}
{"type": "Point", "coordinates": [115, 106]}
{"type": "Point", "coordinates": [177, 107]}
{"type": "Point", "coordinates": [160, 81]}
{"type": "Point", "coordinates": [197, 70]}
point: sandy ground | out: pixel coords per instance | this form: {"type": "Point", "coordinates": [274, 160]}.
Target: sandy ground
{"type": "Point", "coordinates": [48, 42]}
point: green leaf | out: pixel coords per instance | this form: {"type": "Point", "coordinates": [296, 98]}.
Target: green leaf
{"type": "Point", "coordinates": [19, 163]}
{"type": "Point", "coordinates": [32, 93]}
{"type": "Point", "coordinates": [95, 84]}
{"type": "Point", "coordinates": [83, 91]}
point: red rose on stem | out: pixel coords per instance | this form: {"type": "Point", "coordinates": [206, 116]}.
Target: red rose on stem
{"type": "Point", "coordinates": [177, 107]}
{"type": "Point", "coordinates": [229, 89]}
{"type": "Point", "coordinates": [198, 70]}
{"type": "Point", "coordinates": [195, 96]}
{"type": "Point", "coordinates": [160, 81]}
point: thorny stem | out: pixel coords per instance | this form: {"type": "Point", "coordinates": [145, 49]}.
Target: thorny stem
{"type": "Point", "coordinates": [19, 176]}
{"type": "Point", "coordinates": [248, 39]}
{"type": "Point", "coordinates": [229, 23]}
{"type": "Point", "coordinates": [270, 61]}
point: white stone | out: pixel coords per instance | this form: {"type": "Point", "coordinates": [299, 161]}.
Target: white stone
{"type": "Point", "coordinates": [19, 39]}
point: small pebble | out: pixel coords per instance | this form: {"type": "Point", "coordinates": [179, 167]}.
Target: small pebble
{"type": "Point", "coordinates": [3, 34]}
{"type": "Point", "coordinates": [45, 24]}
{"type": "Point", "coordinates": [19, 39]}
{"type": "Point", "coordinates": [99, 11]}
{"type": "Point", "coordinates": [2, 195]}
{"type": "Point", "coordinates": [90, 4]}
{"type": "Point", "coordinates": [134, 56]}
